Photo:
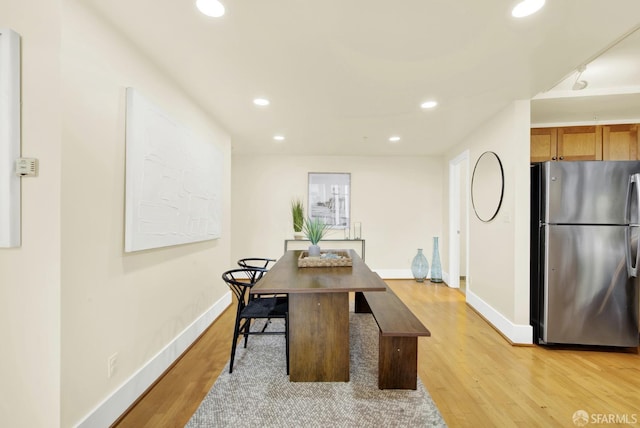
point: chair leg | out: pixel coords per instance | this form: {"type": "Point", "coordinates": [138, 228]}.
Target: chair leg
{"type": "Point", "coordinates": [266, 324]}
{"type": "Point", "coordinates": [247, 327]}
{"type": "Point", "coordinates": [244, 328]}
{"type": "Point", "coordinates": [236, 332]}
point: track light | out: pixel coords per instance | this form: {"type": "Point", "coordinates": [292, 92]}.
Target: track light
{"type": "Point", "coordinates": [579, 85]}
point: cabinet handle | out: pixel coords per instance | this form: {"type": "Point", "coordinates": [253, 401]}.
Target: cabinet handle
{"type": "Point", "coordinates": [553, 158]}
{"type": "Point", "coordinates": [561, 157]}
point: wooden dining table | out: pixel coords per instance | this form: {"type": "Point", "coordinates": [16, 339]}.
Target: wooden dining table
{"type": "Point", "coordinates": [318, 313]}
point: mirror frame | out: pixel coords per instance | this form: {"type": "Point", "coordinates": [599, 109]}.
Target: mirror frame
{"type": "Point", "coordinates": [499, 204]}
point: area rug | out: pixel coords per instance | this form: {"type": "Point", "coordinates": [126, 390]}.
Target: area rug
{"type": "Point", "coordinates": [258, 392]}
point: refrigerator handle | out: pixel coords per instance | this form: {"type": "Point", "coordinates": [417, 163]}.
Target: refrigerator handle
{"type": "Point", "coordinates": [634, 180]}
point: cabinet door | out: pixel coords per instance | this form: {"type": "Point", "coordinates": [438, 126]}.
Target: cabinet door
{"type": "Point", "coordinates": [620, 142]}
{"type": "Point", "coordinates": [580, 143]}
{"type": "Point", "coordinates": [544, 144]}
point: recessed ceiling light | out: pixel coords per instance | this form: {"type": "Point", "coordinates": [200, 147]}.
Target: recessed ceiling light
{"type": "Point", "coordinates": [429, 104]}
{"type": "Point", "coordinates": [212, 8]}
{"type": "Point", "coordinates": [262, 102]}
{"type": "Point", "coordinates": [526, 8]}
{"type": "Point", "coordinates": [394, 139]}
{"type": "Point", "coordinates": [278, 137]}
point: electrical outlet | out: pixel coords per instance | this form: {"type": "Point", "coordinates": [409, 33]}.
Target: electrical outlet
{"type": "Point", "coordinates": [112, 365]}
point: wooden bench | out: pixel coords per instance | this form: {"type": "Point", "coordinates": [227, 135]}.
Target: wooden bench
{"type": "Point", "coordinates": [398, 338]}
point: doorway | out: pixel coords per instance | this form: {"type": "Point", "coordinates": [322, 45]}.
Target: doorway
{"type": "Point", "coordinates": [459, 221]}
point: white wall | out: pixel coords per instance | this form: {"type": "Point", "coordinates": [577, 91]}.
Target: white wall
{"type": "Point", "coordinates": [397, 199]}
{"type": "Point", "coordinates": [498, 277]}
{"type": "Point", "coordinates": [135, 304]}
{"type": "Point", "coordinates": [30, 275]}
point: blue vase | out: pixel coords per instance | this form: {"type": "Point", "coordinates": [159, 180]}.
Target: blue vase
{"type": "Point", "coordinates": [420, 266]}
{"type": "Point", "coordinates": [436, 266]}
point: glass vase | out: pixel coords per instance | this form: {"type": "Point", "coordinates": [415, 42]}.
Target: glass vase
{"type": "Point", "coordinates": [436, 266]}
{"type": "Point", "coordinates": [420, 266]}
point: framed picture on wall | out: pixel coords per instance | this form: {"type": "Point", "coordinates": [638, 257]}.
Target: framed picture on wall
{"type": "Point", "coordinates": [330, 198]}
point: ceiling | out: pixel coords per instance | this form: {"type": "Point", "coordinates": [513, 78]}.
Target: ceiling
{"type": "Point", "coordinates": [344, 76]}
{"type": "Point", "coordinates": [611, 96]}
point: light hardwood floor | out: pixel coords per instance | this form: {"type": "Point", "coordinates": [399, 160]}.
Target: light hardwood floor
{"type": "Point", "coordinates": [476, 378]}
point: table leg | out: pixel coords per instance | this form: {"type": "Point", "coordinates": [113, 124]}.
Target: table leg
{"type": "Point", "coordinates": [319, 337]}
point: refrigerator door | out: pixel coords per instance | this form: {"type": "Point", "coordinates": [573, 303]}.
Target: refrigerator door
{"type": "Point", "coordinates": [590, 192]}
{"type": "Point", "coordinates": [588, 297]}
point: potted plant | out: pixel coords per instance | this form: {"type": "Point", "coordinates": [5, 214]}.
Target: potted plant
{"type": "Point", "coordinates": [314, 229]}
{"type": "Point", "coordinates": [297, 214]}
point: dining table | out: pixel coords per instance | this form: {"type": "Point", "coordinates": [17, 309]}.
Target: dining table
{"type": "Point", "coordinates": [318, 312]}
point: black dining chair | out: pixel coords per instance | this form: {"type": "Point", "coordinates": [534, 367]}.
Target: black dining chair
{"type": "Point", "coordinates": [240, 281]}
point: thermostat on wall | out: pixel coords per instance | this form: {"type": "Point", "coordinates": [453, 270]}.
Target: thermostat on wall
{"type": "Point", "coordinates": [26, 167]}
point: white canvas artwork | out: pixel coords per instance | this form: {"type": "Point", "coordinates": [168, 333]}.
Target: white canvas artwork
{"type": "Point", "coordinates": [173, 180]}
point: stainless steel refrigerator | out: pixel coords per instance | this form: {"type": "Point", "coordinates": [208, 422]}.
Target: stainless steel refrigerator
{"type": "Point", "coordinates": [584, 252]}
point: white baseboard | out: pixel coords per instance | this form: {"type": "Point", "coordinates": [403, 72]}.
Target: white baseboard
{"type": "Point", "coordinates": [394, 273]}
{"type": "Point", "coordinates": [445, 278]}
{"type": "Point", "coordinates": [404, 274]}
{"type": "Point", "coordinates": [516, 333]}
{"type": "Point", "coordinates": [117, 403]}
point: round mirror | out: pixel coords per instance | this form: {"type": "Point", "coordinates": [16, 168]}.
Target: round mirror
{"type": "Point", "coordinates": [487, 186]}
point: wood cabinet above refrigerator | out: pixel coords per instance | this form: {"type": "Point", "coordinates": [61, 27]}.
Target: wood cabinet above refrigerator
{"type": "Point", "coordinates": [620, 142]}
{"type": "Point", "coordinates": [597, 142]}
{"type": "Point", "coordinates": [544, 144]}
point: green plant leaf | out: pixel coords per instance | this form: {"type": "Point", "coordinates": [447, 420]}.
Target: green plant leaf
{"type": "Point", "coordinates": [297, 214]}
{"type": "Point", "coordinates": [314, 229]}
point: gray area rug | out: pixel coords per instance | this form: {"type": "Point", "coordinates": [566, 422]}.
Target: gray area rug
{"type": "Point", "coordinates": [258, 392]}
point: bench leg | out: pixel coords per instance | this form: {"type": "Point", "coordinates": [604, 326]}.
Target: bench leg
{"type": "Point", "coordinates": [398, 362]}
{"type": "Point", "coordinates": [361, 305]}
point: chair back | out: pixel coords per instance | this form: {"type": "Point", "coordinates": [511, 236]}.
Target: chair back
{"type": "Point", "coordinates": [241, 280]}
{"type": "Point", "coordinates": [253, 262]}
